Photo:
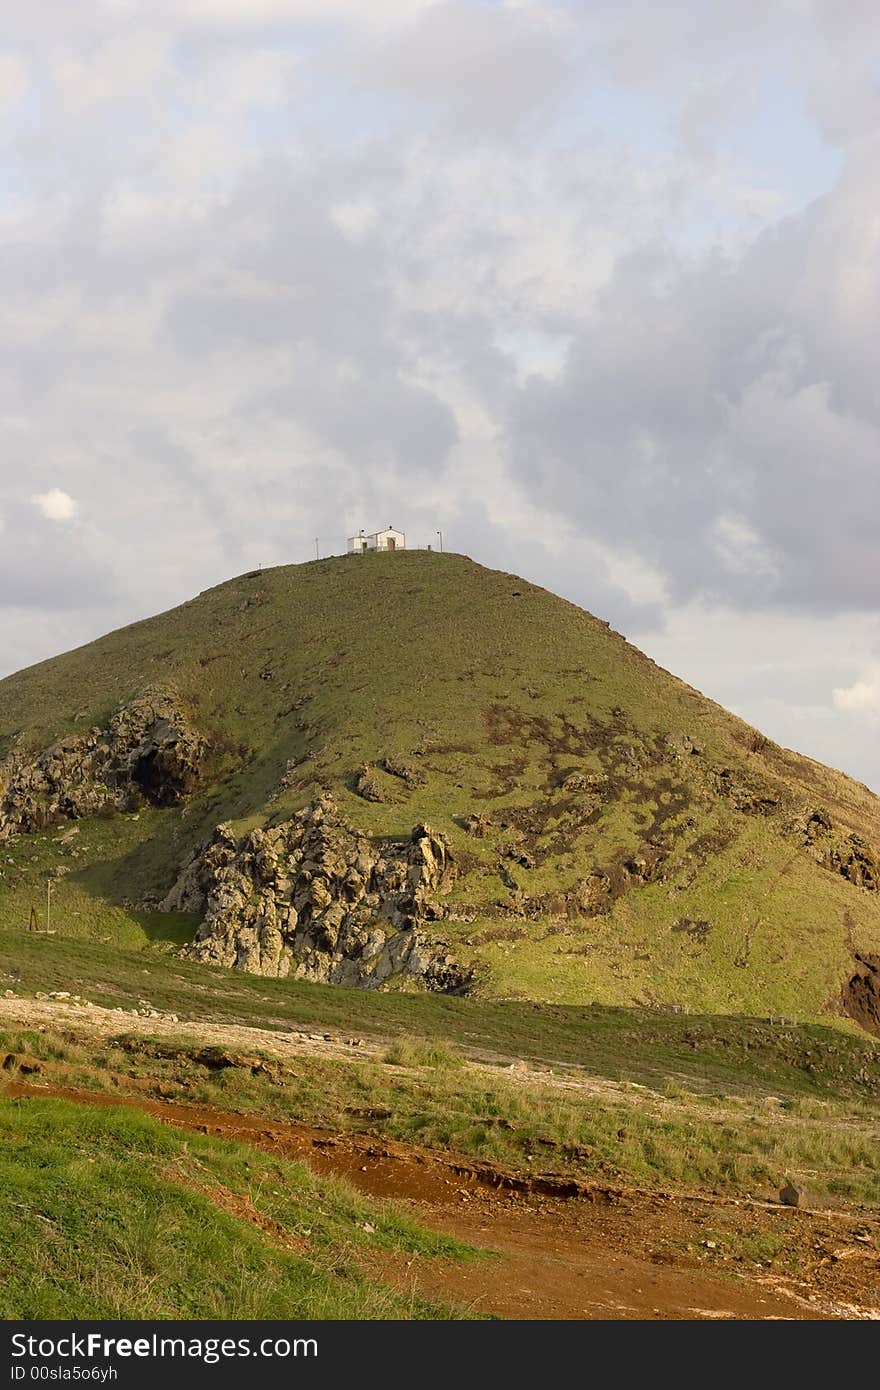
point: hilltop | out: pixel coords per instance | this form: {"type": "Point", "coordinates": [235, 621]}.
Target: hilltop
{"type": "Point", "coordinates": [406, 769]}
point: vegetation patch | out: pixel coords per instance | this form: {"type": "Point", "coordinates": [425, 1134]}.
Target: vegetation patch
{"type": "Point", "coordinates": [114, 1215]}
{"type": "Point", "coordinates": [419, 1052]}
{"type": "Point", "coordinates": [591, 1129]}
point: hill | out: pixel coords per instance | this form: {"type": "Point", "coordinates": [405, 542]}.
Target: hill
{"type": "Point", "coordinates": [427, 772]}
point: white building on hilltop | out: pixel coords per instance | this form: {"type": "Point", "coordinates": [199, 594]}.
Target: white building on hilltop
{"type": "Point", "coordinates": [377, 540]}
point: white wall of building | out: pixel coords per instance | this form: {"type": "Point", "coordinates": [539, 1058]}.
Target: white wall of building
{"type": "Point", "coordinates": [389, 539]}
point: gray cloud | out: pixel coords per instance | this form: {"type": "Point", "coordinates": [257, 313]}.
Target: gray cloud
{"type": "Point", "coordinates": [279, 269]}
{"type": "Point", "coordinates": [484, 69]}
{"type": "Point", "coordinates": [727, 394]}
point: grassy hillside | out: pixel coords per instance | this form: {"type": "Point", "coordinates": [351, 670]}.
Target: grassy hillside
{"type": "Point", "coordinates": [619, 837]}
{"type": "Point", "coordinates": [737, 1055]}
{"type": "Point", "coordinates": [596, 1128]}
{"type": "Point", "coordinates": [114, 1215]}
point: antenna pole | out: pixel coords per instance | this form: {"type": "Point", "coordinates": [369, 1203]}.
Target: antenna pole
{"type": "Point", "coordinates": [440, 534]}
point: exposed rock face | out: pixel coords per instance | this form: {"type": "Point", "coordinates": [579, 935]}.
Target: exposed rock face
{"type": "Point", "coordinates": [853, 860]}
{"type": "Point", "coordinates": [149, 752]}
{"type": "Point", "coordinates": [861, 996]}
{"type": "Point", "coordinates": [317, 899]}
{"type": "Point", "coordinates": [156, 750]}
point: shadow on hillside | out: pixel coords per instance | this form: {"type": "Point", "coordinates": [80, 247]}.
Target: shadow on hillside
{"type": "Point", "coordinates": [175, 928]}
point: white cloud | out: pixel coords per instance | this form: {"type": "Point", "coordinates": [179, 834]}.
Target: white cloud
{"type": "Point", "coordinates": [486, 67]}
{"type": "Point", "coordinates": [863, 696]}
{"type": "Point", "coordinates": [56, 505]}
{"type": "Point", "coordinates": [354, 219]}
{"type": "Point", "coordinates": [254, 12]}
{"type": "Point", "coordinates": [740, 550]}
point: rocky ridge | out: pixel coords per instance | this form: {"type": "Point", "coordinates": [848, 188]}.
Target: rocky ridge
{"type": "Point", "coordinates": [317, 899]}
{"type": "Point", "coordinates": [149, 753]}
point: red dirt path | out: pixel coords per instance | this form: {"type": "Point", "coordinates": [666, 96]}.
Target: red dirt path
{"type": "Point", "coordinates": [568, 1251]}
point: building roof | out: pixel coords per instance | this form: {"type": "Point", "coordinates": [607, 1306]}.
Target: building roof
{"type": "Point", "coordinates": [371, 535]}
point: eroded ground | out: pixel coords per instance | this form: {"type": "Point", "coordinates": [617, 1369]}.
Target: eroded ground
{"type": "Point", "coordinates": [564, 1248]}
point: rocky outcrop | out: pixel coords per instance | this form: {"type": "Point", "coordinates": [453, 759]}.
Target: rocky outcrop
{"type": "Point", "coordinates": [368, 785]}
{"type": "Point", "coordinates": [316, 899]}
{"type": "Point", "coordinates": [854, 861]}
{"type": "Point", "coordinates": [861, 995]}
{"type": "Point", "coordinates": [749, 797]}
{"type": "Point", "coordinates": [811, 825]}
{"type": "Point", "coordinates": [149, 753]}
{"type": "Point", "coordinates": [850, 856]}
{"type": "Point", "coordinates": [404, 771]}
{"type": "Point", "coordinates": [155, 750]}
{"type": "Point", "coordinates": [478, 825]}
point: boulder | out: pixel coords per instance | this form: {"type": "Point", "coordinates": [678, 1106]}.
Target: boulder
{"type": "Point", "coordinates": [478, 824]}
{"type": "Point", "coordinates": [368, 785]}
{"type": "Point", "coordinates": [792, 1195]}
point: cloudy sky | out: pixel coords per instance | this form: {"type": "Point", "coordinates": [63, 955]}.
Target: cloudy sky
{"type": "Point", "coordinates": [593, 287]}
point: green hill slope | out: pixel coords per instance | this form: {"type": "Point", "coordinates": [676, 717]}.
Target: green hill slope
{"type": "Point", "coordinates": [598, 829]}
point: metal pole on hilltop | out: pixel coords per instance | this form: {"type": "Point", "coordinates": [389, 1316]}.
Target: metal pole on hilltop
{"type": "Point", "coordinates": [440, 534]}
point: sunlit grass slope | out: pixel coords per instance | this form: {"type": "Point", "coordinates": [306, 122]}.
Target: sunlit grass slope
{"type": "Point", "coordinates": [507, 705]}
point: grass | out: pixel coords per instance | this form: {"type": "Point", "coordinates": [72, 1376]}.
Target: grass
{"type": "Point", "coordinates": [422, 1093]}
{"type": "Point", "coordinates": [648, 1046]}
{"type": "Point", "coordinates": [730, 1249]}
{"type": "Point", "coordinates": [111, 1214]}
{"type": "Point", "coordinates": [496, 693]}
{"type": "Point", "coordinates": [421, 1052]}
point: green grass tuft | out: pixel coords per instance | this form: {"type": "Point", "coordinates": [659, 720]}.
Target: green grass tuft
{"type": "Point", "coordinates": [114, 1215]}
{"type": "Point", "coordinates": [419, 1052]}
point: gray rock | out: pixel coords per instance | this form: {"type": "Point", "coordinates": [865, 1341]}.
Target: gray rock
{"type": "Point", "coordinates": [792, 1195]}
{"type": "Point", "coordinates": [149, 752]}
{"type": "Point", "coordinates": [368, 786]}
{"type": "Point", "coordinates": [328, 904]}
